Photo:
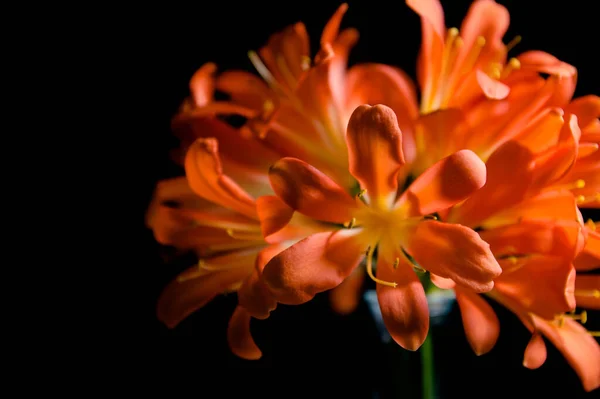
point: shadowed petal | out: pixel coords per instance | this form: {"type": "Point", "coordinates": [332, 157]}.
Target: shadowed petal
{"type": "Point", "coordinates": [479, 320]}
{"type": "Point", "coordinates": [239, 337]}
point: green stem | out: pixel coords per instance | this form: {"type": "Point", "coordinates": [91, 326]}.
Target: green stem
{"type": "Point", "coordinates": [427, 369]}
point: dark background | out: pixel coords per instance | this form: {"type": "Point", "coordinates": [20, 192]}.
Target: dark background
{"type": "Point", "coordinates": [307, 350]}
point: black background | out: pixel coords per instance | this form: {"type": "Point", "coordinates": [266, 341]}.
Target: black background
{"type": "Point", "coordinates": [307, 350]}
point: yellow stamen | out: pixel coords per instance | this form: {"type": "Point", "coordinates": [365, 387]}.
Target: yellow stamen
{"type": "Point", "coordinates": [513, 65]}
{"type": "Point", "coordinates": [370, 269]}
{"type": "Point", "coordinates": [261, 68]}
{"type": "Point", "coordinates": [396, 263]}
{"type": "Point", "coordinates": [305, 63]}
{"type": "Point", "coordinates": [192, 275]}
{"type": "Point", "coordinates": [581, 200]}
{"type": "Point", "coordinates": [496, 70]}
{"type": "Point", "coordinates": [592, 293]}
{"type": "Point", "coordinates": [430, 217]}
{"type": "Point", "coordinates": [590, 224]}
{"type": "Point", "coordinates": [361, 195]}
{"type": "Point", "coordinates": [594, 333]}
{"type": "Point", "coordinates": [517, 39]}
{"type": "Point", "coordinates": [474, 53]}
{"type": "Point", "coordinates": [418, 269]}
{"type": "Point", "coordinates": [582, 317]}
{"type": "Point", "coordinates": [242, 236]}
{"type": "Point", "coordinates": [268, 108]}
{"type": "Point", "coordinates": [350, 224]}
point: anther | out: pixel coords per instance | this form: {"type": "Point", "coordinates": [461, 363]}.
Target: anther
{"type": "Point", "coordinates": [590, 224]}
{"type": "Point", "coordinates": [591, 198]}
{"type": "Point", "coordinates": [592, 293]}
{"type": "Point", "coordinates": [513, 65]}
{"type": "Point", "coordinates": [582, 317]}
{"type": "Point", "coordinates": [396, 263]}
{"type": "Point", "coordinates": [430, 217]}
{"type": "Point", "coordinates": [418, 269]}
{"type": "Point", "coordinates": [594, 333]}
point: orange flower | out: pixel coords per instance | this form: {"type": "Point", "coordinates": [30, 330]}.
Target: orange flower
{"type": "Point", "coordinates": [399, 228]}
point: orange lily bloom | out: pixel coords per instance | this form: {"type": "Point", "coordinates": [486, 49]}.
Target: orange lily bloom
{"type": "Point", "coordinates": [401, 229]}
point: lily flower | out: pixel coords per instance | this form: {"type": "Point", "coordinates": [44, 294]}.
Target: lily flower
{"type": "Point", "coordinates": [401, 229]}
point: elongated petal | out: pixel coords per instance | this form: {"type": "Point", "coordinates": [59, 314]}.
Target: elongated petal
{"type": "Point", "coordinates": [488, 19]}
{"type": "Point", "coordinates": [448, 182]}
{"type": "Point", "coordinates": [404, 308]}
{"type": "Point", "coordinates": [587, 291]}
{"type": "Point", "coordinates": [345, 297]}
{"type": "Point", "coordinates": [479, 320]}
{"type": "Point", "coordinates": [589, 258]}
{"type": "Point", "coordinates": [540, 61]}
{"type": "Point", "coordinates": [389, 86]}
{"type": "Point", "coordinates": [375, 151]}
{"type": "Point", "coordinates": [317, 263]}
{"type": "Point", "coordinates": [195, 287]}
{"type": "Point", "coordinates": [501, 189]}
{"type": "Point", "coordinates": [545, 285]}
{"type": "Point", "coordinates": [206, 178]}
{"type": "Point", "coordinates": [535, 237]}
{"type": "Point", "coordinates": [244, 88]}
{"type": "Point", "coordinates": [239, 337]}
{"type": "Point", "coordinates": [254, 295]}
{"type": "Point", "coordinates": [543, 131]}
{"type": "Point", "coordinates": [310, 192]}
{"type": "Point", "coordinates": [579, 348]}
{"type": "Point", "coordinates": [456, 252]}
{"type": "Point", "coordinates": [442, 282]}
{"type": "Point", "coordinates": [535, 352]}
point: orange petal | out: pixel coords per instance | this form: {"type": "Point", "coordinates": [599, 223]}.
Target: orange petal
{"type": "Point", "coordinates": [488, 19]}
{"type": "Point", "coordinates": [535, 237]}
{"type": "Point", "coordinates": [447, 182]}
{"type": "Point", "coordinates": [492, 88]}
{"type": "Point", "coordinates": [579, 348]}
{"type": "Point", "coordinates": [540, 61]}
{"type": "Point", "coordinates": [195, 287]}
{"type": "Point", "coordinates": [389, 86]}
{"type": "Point", "coordinates": [310, 192]}
{"type": "Point", "coordinates": [437, 135]}
{"type": "Point", "coordinates": [545, 285]}
{"type": "Point", "coordinates": [543, 132]}
{"type": "Point", "coordinates": [206, 178]}
{"type": "Point", "coordinates": [202, 84]}
{"type": "Point", "coordinates": [587, 291]}
{"type": "Point", "coordinates": [404, 308]}
{"type": "Point", "coordinates": [254, 295]}
{"type": "Point", "coordinates": [456, 252]}
{"type": "Point", "coordinates": [442, 282]}
{"type": "Point", "coordinates": [244, 88]}
{"type": "Point", "coordinates": [274, 214]}
{"type": "Point", "coordinates": [239, 337]}
{"type": "Point", "coordinates": [556, 161]}
{"type": "Point", "coordinates": [549, 205]}
{"type": "Point", "coordinates": [535, 353]}
{"type": "Point", "coordinates": [479, 320]}
{"type": "Point", "coordinates": [317, 263]}
{"type": "Point", "coordinates": [589, 259]}
{"type": "Point", "coordinates": [501, 189]}
{"type": "Point", "coordinates": [587, 109]}
{"type": "Point", "coordinates": [345, 297]}
{"type": "Point", "coordinates": [375, 151]}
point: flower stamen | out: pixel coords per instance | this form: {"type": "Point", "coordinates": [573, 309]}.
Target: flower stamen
{"type": "Point", "coordinates": [513, 65]}
{"type": "Point", "coordinates": [243, 236]}
{"type": "Point", "coordinates": [592, 293]}
{"type": "Point", "coordinates": [590, 224]}
{"type": "Point", "coordinates": [370, 251]}
{"type": "Point", "coordinates": [579, 183]}
{"type": "Point", "coordinates": [581, 199]}
{"type": "Point", "coordinates": [512, 44]}
{"type": "Point", "coordinates": [350, 224]}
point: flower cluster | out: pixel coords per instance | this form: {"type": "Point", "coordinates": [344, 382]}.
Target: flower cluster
{"type": "Point", "coordinates": [340, 172]}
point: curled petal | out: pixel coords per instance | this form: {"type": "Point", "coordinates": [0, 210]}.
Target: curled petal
{"type": "Point", "coordinates": [244, 88]}
{"type": "Point", "coordinates": [447, 182]}
{"type": "Point", "coordinates": [273, 213]}
{"type": "Point", "coordinates": [202, 84]}
{"type": "Point", "coordinates": [540, 61]}
{"type": "Point", "coordinates": [206, 178]}
{"type": "Point", "coordinates": [587, 291]}
{"type": "Point", "coordinates": [315, 264]}
{"type": "Point", "coordinates": [310, 192]}
{"type": "Point", "coordinates": [488, 19]}
{"type": "Point", "coordinates": [345, 297]}
{"type": "Point", "coordinates": [587, 109]}
{"type": "Point", "coordinates": [254, 295]}
{"type": "Point", "coordinates": [239, 337]}
{"type": "Point", "coordinates": [456, 252]}
{"type": "Point", "coordinates": [404, 308]}
{"type": "Point", "coordinates": [442, 282]}
{"type": "Point", "coordinates": [492, 88]}
{"type": "Point", "coordinates": [479, 320]}
{"type": "Point", "coordinates": [579, 348]}
{"type": "Point", "coordinates": [535, 353]}
{"type": "Point", "coordinates": [589, 258]}
{"type": "Point", "coordinates": [375, 151]}
{"type": "Point", "coordinates": [501, 189]}
{"type": "Point", "coordinates": [545, 285]}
